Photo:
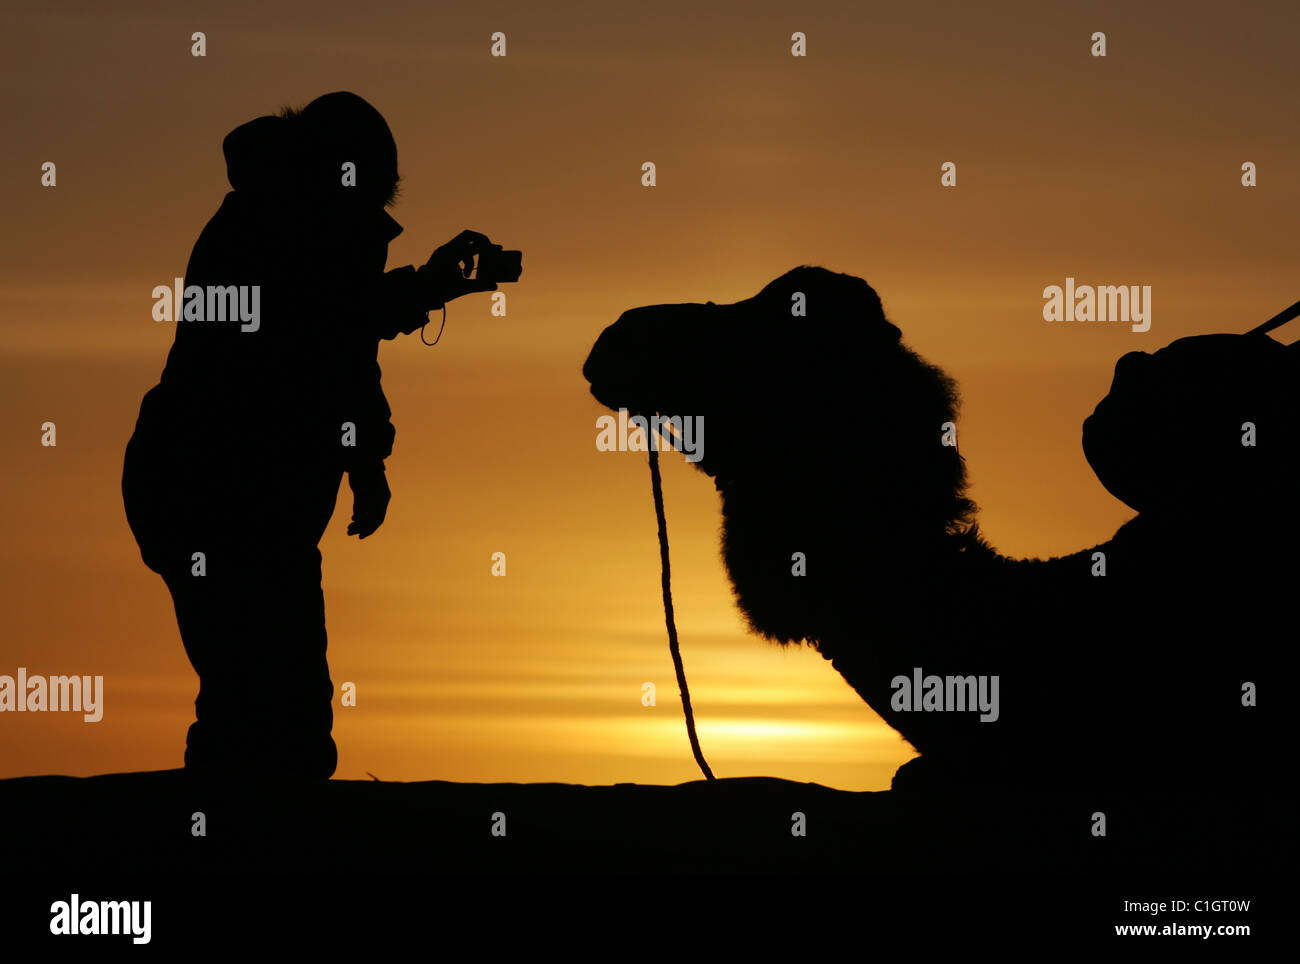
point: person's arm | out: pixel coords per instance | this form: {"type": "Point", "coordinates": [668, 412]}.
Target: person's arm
{"type": "Point", "coordinates": [408, 294]}
{"type": "Point", "coordinates": [405, 297]}
{"type": "Point", "coordinates": [364, 461]}
{"type": "Point", "coordinates": [404, 303]}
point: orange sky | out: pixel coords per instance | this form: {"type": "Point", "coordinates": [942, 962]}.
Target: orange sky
{"type": "Point", "coordinates": [1123, 170]}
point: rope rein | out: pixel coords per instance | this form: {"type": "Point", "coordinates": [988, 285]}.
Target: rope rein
{"type": "Point", "coordinates": [1278, 320]}
{"type": "Point", "coordinates": [656, 483]}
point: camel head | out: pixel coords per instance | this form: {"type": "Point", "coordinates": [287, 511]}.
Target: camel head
{"type": "Point", "coordinates": [822, 432]}
{"type": "Point", "coordinates": [1201, 430]}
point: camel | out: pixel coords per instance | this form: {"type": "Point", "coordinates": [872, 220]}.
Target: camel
{"type": "Point", "coordinates": [1153, 658]}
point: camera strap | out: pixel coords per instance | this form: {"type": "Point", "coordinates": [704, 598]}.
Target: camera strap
{"type": "Point", "coordinates": [440, 328]}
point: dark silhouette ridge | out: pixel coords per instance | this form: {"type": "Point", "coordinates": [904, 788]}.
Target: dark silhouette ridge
{"type": "Point", "coordinates": [317, 861]}
{"type": "Point", "coordinates": [824, 438]}
{"type": "Point", "coordinates": [136, 823]}
{"type": "Point", "coordinates": [239, 451]}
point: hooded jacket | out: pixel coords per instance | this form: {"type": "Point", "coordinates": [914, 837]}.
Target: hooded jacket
{"type": "Point", "coordinates": [261, 423]}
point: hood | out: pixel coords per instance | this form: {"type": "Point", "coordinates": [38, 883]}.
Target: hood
{"type": "Point", "coordinates": [259, 155]}
{"type": "Point", "coordinates": [267, 157]}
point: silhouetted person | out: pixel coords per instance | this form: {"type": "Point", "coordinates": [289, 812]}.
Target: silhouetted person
{"type": "Point", "coordinates": [240, 449]}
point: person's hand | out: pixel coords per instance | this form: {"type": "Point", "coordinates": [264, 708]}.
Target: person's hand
{"type": "Point", "coordinates": [444, 273]}
{"type": "Point", "coordinates": [370, 497]}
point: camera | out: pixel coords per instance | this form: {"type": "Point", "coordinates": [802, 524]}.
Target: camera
{"type": "Point", "coordinates": [499, 266]}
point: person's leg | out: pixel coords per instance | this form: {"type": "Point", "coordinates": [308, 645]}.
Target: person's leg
{"type": "Point", "coordinates": [289, 710]}
{"type": "Point", "coordinates": [254, 630]}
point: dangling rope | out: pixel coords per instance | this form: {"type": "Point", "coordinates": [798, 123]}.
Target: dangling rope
{"type": "Point", "coordinates": [656, 483]}
{"type": "Point", "coordinates": [440, 328]}
{"type": "Point", "coordinates": [1278, 320]}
